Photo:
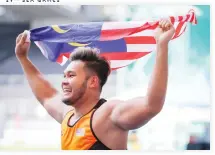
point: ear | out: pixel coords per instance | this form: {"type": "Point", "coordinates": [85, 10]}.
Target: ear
{"type": "Point", "coordinates": [93, 82]}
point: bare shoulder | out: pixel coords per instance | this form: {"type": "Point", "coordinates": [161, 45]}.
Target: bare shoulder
{"type": "Point", "coordinates": [102, 114]}
{"type": "Point", "coordinates": [104, 128]}
{"type": "Point", "coordinates": [108, 106]}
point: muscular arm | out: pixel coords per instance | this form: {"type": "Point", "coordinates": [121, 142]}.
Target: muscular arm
{"type": "Point", "coordinates": [136, 112]}
{"type": "Point", "coordinates": [46, 94]}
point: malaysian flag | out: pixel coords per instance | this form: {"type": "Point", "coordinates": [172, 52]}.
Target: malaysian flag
{"type": "Point", "coordinates": [120, 42]}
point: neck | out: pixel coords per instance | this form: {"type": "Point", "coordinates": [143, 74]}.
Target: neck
{"type": "Point", "coordinates": [85, 104]}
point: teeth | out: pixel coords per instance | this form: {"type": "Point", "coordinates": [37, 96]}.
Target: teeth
{"type": "Point", "coordinates": [67, 90]}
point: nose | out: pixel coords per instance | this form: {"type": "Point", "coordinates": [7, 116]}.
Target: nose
{"type": "Point", "coordinates": [65, 82]}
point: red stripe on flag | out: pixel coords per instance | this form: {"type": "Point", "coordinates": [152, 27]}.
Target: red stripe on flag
{"type": "Point", "coordinates": [192, 18]}
{"type": "Point", "coordinates": [67, 54]}
{"type": "Point", "coordinates": [195, 20]}
{"type": "Point", "coordinates": [180, 18]}
{"type": "Point", "coordinates": [178, 29]}
{"type": "Point", "coordinates": [112, 69]}
{"type": "Point", "coordinates": [140, 40]}
{"type": "Point", "coordinates": [181, 33]}
{"type": "Point", "coordinates": [111, 55]}
{"type": "Point", "coordinates": [188, 16]}
{"type": "Point", "coordinates": [59, 59]}
{"type": "Point", "coordinates": [124, 55]}
{"type": "Point", "coordinates": [114, 34]}
{"type": "Point", "coordinates": [172, 19]}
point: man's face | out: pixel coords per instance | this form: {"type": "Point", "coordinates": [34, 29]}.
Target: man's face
{"type": "Point", "coordinates": [74, 84]}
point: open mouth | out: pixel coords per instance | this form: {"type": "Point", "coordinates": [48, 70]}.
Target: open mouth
{"type": "Point", "coordinates": [67, 90]}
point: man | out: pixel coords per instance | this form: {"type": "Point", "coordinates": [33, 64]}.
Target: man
{"type": "Point", "coordinates": [89, 122]}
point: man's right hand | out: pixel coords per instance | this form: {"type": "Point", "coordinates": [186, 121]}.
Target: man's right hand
{"type": "Point", "coordinates": [45, 93]}
{"type": "Point", "coordinates": [22, 47]}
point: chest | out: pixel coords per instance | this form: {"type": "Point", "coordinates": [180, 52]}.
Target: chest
{"type": "Point", "coordinates": [76, 134]}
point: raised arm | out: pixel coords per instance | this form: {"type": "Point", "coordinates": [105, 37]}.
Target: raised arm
{"type": "Point", "coordinates": [46, 94]}
{"type": "Point", "coordinates": [136, 112]}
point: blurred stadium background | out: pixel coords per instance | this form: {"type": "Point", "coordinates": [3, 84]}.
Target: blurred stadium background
{"type": "Point", "coordinates": [184, 122]}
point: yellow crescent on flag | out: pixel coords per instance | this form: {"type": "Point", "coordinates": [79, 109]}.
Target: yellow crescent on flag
{"type": "Point", "coordinates": [78, 44]}
{"type": "Point", "coordinates": [57, 29]}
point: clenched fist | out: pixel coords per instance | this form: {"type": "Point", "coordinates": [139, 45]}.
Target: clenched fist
{"type": "Point", "coordinates": [164, 32]}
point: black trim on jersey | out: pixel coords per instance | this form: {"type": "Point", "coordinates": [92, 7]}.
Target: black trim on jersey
{"type": "Point", "coordinates": [97, 145]}
{"type": "Point", "coordinates": [67, 113]}
{"type": "Point", "coordinates": [100, 102]}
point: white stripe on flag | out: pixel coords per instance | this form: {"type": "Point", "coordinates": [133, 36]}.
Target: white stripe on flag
{"type": "Point", "coordinates": [184, 18]}
{"type": "Point", "coordinates": [177, 18]}
{"type": "Point", "coordinates": [121, 25]}
{"type": "Point", "coordinates": [149, 32]}
{"type": "Point", "coordinates": [141, 47]}
{"type": "Point", "coordinates": [176, 24]}
{"type": "Point", "coordinates": [64, 60]}
{"type": "Point", "coordinates": [120, 63]}
{"type": "Point", "coordinates": [182, 28]}
{"type": "Point", "coordinates": [144, 33]}
{"type": "Point", "coordinates": [43, 51]}
{"type": "Point", "coordinates": [189, 20]}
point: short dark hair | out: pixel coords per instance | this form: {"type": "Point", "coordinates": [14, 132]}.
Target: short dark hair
{"type": "Point", "coordinates": [93, 61]}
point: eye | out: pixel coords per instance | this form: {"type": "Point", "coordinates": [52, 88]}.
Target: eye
{"type": "Point", "coordinates": [71, 75]}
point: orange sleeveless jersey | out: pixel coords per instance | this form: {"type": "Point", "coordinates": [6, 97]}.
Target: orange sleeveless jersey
{"type": "Point", "coordinates": [80, 136]}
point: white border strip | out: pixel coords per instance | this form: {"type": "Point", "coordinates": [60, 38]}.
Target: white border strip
{"type": "Point", "coordinates": [3, 2]}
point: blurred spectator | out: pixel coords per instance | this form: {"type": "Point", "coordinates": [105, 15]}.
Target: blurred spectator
{"type": "Point", "coordinates": [194, 144]}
